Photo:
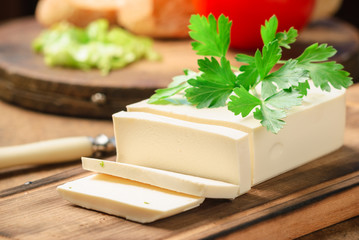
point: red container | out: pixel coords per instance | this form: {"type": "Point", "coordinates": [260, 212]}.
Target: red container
{"type": "Point", "coordinates": [249, 15]}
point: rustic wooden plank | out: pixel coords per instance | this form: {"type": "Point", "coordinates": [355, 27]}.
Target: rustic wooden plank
{"type": "Point", "coordinates": [73, 169]}
{"type": "Point", "coordinates": [347, 230]}
{"type": "Point", "coordinates": [25, 176]}
{"type": "Point", "coordinates": [331, 210]}
{"type": "Point", "coordinates": [50, 213]}
{"type": "Point", "coordinates": [42, 182]}
{"type": "Point", "coordinates": [299, 213]}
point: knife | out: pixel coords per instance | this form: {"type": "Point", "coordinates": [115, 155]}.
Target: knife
{"type": "Point", "coordinates": [56, 150]}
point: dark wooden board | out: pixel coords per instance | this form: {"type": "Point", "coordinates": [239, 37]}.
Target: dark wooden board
{"type": "Point", "coordinates": [316, 195]}
{"type": "Point", "coordinates": [26, 81]}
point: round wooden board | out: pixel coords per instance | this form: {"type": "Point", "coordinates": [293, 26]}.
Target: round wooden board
{"type": "Point", "coordinates": [26, 81]}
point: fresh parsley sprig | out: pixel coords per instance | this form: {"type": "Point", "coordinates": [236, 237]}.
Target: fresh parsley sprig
{"type": "Point", "coordinates": [212, 38]}
{"type": "Point", "coordinates": [258, 88]}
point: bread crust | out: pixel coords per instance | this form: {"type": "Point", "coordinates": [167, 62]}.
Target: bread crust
{"type": "Point", "coordinates": [77, 12]}
{"type": "Point", "coordinates": [159, 18]}
{"type": "Point", "coordinates": [153, 18]}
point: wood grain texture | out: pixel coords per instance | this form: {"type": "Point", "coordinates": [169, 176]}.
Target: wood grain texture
{"type": "Point", "coordinates": [26, 81]}
{"type": "Point", "coordinates": [318, 194]}
{"type": "Point", "coordinates": [346, 230]}
{"type": "Point", "coordinates": [335, 201]}
{"type": "Point", "coordinates": [50, 216]}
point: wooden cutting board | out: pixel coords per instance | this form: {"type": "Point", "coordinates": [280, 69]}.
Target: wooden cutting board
{"type": "Point", "coordinates": [306, 199]}
{"type": "Point", "coordinates": [26, 81]}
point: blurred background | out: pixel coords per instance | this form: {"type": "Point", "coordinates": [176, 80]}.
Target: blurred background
{"type": "Point", "coordinates": [17, 8]}
{"type": "Point", "coordinates": [332, 21]}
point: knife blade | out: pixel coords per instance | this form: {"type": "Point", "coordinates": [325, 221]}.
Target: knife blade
{"type": "Point", "coordinates": [56, 150]}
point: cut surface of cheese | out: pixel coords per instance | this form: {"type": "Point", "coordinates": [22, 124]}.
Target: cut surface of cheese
{"type": "Point", "coordinates": [201, 150]}
{"type": "Point", "coordinates": [311, 130]}
{"type": "Point", "coordinates": [187, 184]}
{"type": "Point", "coordinates": [125, 198]}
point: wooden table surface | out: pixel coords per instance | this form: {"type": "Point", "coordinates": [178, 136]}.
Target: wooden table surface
{"type": "Point", "coordinates": [321, 195]}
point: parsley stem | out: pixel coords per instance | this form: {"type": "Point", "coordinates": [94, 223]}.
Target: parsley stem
{"type": "Point", "coordinates": [234, 68]}
{"type": "Point", "coordinates": [254, 92]}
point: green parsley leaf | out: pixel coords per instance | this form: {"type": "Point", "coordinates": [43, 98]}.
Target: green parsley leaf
{"type": "Point", "coordinates": [242, 102]}
{"type": "Point", "coordinates": [271, 54]}
{"type": "Point", "coordinates": [179, 84]}
{"type": "Point", "coordinates": [328, 72]}
{"type": "Point", "coordinates": [162, 95]}
{"type": "Point", "coordinates": [303, 88]}
{"type": "Point", "coordinates": [270, 118]}
{"type": "Point", "coordinates": [279, 90]}
{"type": "Point", "coordinates": [249, 76]}
{"type": "Point", "coordinates": [285, 38]}
{"type": "Point", "coordinates": [270, 111]}
{"type": "Point", "coordinates": [269, 33]}
{"type": "Point", "coordinates": [285, 99]}
{"type": "Point", "coordinates": [213, 87]}
{"type": "Point", "coordinates": [289, 75]}
{"type": "Point", "coordinates": [269, 29]}
{"type": "Point", "coordinates": [323, 73]}
{"type": "Point", "coordinates": [211, 40]}
{"type": "Point", "coordinates": [316, 53]}
{"type": "Point", "coordinates": [244, 58]}
{"type": "Point", "coordinates": [188, 74]}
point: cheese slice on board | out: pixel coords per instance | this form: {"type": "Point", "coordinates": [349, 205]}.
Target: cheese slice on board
{"type": "Point", "coordinates": [183, 183]}
{"type": "Point", "coordinates": [200, 150]}
{"type": "Point", "coordinates": [311, 130]}
{"type": "Point", "coordinates": [125, 198]}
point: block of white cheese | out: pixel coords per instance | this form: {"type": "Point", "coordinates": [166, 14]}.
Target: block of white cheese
{"type": "Point", "coordinates": [125, 198]}
{"type": "Point", "coordinates": [201, 150]}
{"type": "Point", "coordinates": [201, 187]}
{"type": "Point", "coordinates": [311, 130]}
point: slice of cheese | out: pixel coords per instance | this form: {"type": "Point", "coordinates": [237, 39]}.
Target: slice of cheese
{"type": "Point", "coordinates": [201, 187]}
{"type": "Point", "coordinates": [201, 150]}
{"type": "Point", "coordinates": [312, 130]}
{"type": "Point", "coordinates": [125, 198]}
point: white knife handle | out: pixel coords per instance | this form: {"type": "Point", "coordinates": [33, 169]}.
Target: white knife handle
{"type": "Point", "coordinates": [51, 151]}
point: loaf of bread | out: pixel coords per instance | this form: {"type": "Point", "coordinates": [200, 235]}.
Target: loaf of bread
{"type": "Point", "coordinates": [157, 18]}
{"type": "Point", "coordinates": [154, 18]}
{"type": "Point", "coordinates": [78, 12]}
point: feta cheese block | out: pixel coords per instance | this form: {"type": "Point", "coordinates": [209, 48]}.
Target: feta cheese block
{"type": "Point", "coordinates": [201, 187]}
{"type": "Point", "coordinates": [201, 150]}
{"type": "Point", "coordinates": [125, 198]}
{"type": "Point", "coordinates": [311, 130]}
